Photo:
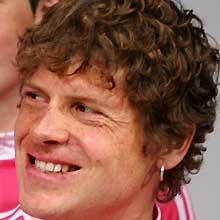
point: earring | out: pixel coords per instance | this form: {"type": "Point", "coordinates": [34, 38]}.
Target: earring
{"type": "Point", "coordinates": [162, 173]}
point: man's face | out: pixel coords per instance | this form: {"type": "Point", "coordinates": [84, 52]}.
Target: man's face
{"type": "Point", "coordinates": [15, 16]}
{"type": "Point", "coordinates": [78, 148]}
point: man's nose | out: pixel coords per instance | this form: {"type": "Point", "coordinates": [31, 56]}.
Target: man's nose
{"type": "Point", "coordinates": [51, 128]}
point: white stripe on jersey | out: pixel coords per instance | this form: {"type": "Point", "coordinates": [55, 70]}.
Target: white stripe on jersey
{"type": "Point", "coordinates": [188, 203]}
{"type": "Point", "coordinates": [181, 208]}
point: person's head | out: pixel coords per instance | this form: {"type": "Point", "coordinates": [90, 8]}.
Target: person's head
{"type": "Point", "coordinates": [111, 91]}
{"type": "Point", "coordinates": [15, 17]}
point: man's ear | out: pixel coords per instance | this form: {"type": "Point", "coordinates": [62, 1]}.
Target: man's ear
{"type": "Point", "coordinates": [173, 157]}
{"type": "Point", "coordinates": [42, 8]}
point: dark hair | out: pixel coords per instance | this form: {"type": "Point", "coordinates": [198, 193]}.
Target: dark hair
{"type": "Point", "coordinates": [33, 4]}
{"type": "Point", "coordinates": [168, 63]}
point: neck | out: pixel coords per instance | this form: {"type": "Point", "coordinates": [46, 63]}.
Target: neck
{"type": "Point", "coordinates": [8, 110]}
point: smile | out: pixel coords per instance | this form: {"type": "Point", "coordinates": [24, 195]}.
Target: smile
{"type": "Point", "coordinates": [52, 167]}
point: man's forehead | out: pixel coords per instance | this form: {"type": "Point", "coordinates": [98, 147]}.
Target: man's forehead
{"type": "Point", "coordinates": [90, 76]}
{"type": "Point", "coordinates": [97, 69]}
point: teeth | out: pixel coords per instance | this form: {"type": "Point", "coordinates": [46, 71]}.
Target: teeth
{"type": "Point", "coordinates": [51, 167]}
{"type": "Point", "coordinates": [42, 165]}
{"type": "Point", "coordinates": [37, 163]}
{"type": "Point", "coordinates": [65, 168]}
{"type": "Point", "coordinates": [57, 168]}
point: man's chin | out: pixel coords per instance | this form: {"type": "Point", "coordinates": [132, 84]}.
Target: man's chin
{"type": "Point", "coordinates": [35, 209]}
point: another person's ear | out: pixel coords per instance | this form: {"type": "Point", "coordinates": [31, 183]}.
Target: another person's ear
{"type": "Point", "coordinates": [172, 158]}
{"type": "Point", "coordinates": [42, 8]}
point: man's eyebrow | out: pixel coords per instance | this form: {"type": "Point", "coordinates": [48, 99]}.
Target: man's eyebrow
{"type": "Point", "coordinates": [30, 84]}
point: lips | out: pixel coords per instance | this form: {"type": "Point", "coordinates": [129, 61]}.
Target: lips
{"type": "Point", "coordinates": [52, 167]}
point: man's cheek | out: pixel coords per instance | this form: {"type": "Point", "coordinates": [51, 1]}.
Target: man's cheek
{"type": "Point", "coordinates": [22, 127]}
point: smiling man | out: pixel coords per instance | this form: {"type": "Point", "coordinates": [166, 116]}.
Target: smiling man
{"type": "Point", "coordinates": [91, 140]}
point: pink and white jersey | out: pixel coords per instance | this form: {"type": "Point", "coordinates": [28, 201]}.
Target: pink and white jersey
{"type": "Point", "coordinates": [8, 183]}
{"type": "Point", "coordinates": [180, 208]}
{"type": "Point", "coordinates": [7, 151]}
{"type": "Point", "coordinates": [9, 206]}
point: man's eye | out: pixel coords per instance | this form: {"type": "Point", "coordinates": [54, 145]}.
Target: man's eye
{"type": "Point", "coordinates": [33, 95]}
{"type": "Point", "coordinates": [83, 108]}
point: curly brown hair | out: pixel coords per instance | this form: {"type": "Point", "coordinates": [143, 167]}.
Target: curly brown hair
{"type": "Point", "coordinates": [169, 66]}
